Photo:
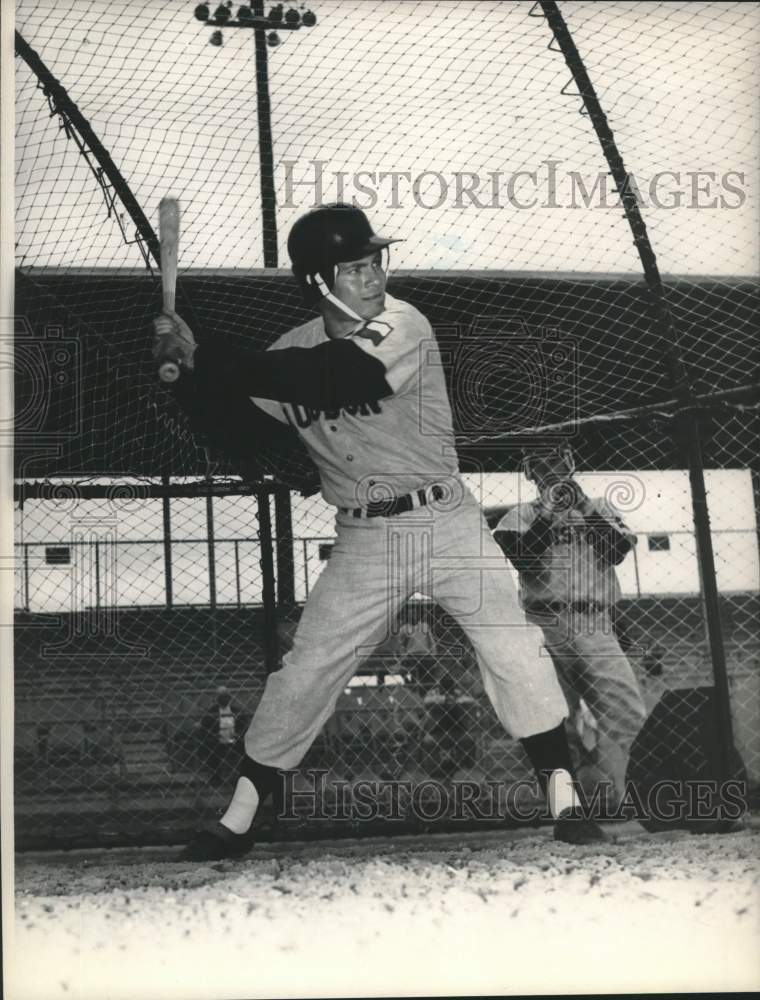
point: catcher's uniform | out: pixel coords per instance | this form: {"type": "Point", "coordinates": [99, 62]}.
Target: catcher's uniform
{"type": "Point", "coordinates": [569, 588]}
{"type": "Point", "coordinates": [373, 412]}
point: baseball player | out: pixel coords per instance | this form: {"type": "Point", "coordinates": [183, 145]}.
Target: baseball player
{"type": "Point", "coordinates": [363, 385]}
{"type": "Point", "coordinates": [565, 547]}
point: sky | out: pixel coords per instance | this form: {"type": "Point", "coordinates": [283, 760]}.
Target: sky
{"type": "Point", "coordinates": [440, 97]}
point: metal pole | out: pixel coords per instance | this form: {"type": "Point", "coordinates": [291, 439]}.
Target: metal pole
{"type": "Point", "coordinates": [168, 580]}
{"type": "Point", "coordinates": [26, 576]}
{"type": "Point", "coordinates": [283, 521]}
{"type": "Point", "coordinates": [266, 149]}
{"type": "Point", "coordinates": [271, 643]}
{"type": "Point", "coordinates": [305, 567]}
{"type": "Point", "coordinates": [686, 426]}
{"type": "Point", "coordinates": [211, 550]}
{"type": "Point", "coordinates": [237, 570]}
{"type": "Point", "coordinates": [692, 443]}
{"type": "Point", "coordinates": [63, 104]}
{"type": "Point", "coordinates": [97, 575]}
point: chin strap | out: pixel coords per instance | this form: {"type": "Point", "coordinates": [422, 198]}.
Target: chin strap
{"type": "Point", "coordinates": [319, 281]}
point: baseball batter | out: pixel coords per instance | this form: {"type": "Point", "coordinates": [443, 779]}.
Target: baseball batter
{"type": "Point", "coordinates": [363, 385]}
{"type": "Point", "coordinates": [565, 547]}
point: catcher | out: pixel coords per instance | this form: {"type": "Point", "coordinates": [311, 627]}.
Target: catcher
{"type": "Point", "coordinates": [565, 547]}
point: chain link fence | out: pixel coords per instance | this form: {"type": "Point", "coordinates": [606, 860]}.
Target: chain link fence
{"type": "Point", "coordinates": [131, 646]}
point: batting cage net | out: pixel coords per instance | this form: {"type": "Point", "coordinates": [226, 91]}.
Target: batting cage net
{"type": "Point", "coordinates": [159, 581]}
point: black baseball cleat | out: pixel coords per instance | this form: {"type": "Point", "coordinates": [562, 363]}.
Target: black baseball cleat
{"type": "Point", "coordinates": [572, 827]}
{"type": "Point", "coordinates": [216, 843]}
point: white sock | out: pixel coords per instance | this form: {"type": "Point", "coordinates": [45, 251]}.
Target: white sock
{"type": "Point", "coordinates": [242, 809]}
{"type": "Point", "coordinates": [560, 792]}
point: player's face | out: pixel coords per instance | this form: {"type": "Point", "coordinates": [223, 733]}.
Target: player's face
{"type": "Point", "coordinates": [361, 285]}
{"type": "Point", "coordinates": [548, 470]}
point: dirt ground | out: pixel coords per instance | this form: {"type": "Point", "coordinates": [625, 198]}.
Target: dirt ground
{"type": "Point", "coordinates": [443, 914]}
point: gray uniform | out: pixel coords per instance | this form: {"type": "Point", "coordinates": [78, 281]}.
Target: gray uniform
{"type": "Point", "coordinates": [569, 588]}
{"type": "Point", "coordinates": [400, 445]}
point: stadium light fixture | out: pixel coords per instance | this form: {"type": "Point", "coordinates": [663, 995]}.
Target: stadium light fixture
{"type": "Point", "coordinates": [251, 15]}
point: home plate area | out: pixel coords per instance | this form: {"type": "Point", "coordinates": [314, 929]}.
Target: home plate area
{"type": "Point", "coordinates": [502, 912]}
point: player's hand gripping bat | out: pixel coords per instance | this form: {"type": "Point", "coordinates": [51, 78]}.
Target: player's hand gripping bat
{"type": "Point", "coordinates": [168, 232]}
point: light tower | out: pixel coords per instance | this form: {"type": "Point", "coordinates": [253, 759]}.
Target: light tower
{"type": "Point", "coordinates": [265, 33]}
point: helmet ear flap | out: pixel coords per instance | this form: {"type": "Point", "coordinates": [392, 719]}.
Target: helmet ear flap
{"type": "Point", "coordinates": [313, 285]}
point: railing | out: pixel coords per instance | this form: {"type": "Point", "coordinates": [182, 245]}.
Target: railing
{"type": "Point", "coordinates": [141, 572]}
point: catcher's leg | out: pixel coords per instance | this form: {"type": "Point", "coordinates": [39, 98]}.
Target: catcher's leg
{"type": "Point", "coordinates": [559, 645]}
{"type": "Point", "coordinates": [608, 684]}
{"type": "Point", "coordinates": [587, 654]}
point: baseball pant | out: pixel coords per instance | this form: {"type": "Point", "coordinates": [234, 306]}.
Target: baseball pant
{"type": "Point", "coordinates": [376, 565]}
{"type": "Point", "coordinates": [592, 666]}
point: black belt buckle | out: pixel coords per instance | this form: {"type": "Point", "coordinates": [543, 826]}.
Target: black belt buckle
{"type": "Point", "coordinates": [545, 608]}
{"type": "Point", "coordinates": [399, 505]}
{"type": "Point", "coordinates": [383, 508]}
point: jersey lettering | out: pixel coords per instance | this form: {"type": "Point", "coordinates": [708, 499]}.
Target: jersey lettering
{"type": "Point", "coordinates": [305, 416]}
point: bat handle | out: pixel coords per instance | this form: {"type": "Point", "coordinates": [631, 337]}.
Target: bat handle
{"type": "Point", "coordinates": [168, 370]}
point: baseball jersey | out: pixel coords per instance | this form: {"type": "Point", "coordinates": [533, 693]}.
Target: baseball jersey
{"type": "Point", "coordinates": [570, 569]}
{"type": "Point", "coordinates": [390, 446]}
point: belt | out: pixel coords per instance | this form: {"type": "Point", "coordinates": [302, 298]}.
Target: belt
{"type": "Point", "coordinates": [557, 607]}
{"type": "Point", "coordinates": [398, 505]}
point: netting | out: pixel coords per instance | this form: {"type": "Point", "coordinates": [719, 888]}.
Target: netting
{"type": "Point", "coordinates": [121, 646]}
{"type": "Point", "coordinates": [441, 88]}
{"type": "Point", "coordinates": [176, 114]}
{"type": "Point", "coordinates": [455, 127]}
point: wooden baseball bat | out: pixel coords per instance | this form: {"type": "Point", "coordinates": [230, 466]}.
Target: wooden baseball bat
{"type": "Point", "coordinates": [168, 232]}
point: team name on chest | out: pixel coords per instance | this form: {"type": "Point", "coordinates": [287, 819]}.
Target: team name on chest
{"type": "Point", "coordinates": [569, 534]}
{"type": "Point", "coordinates": [304, 416]}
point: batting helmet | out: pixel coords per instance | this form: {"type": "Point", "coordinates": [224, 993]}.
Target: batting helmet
{"type": "Point", "coordinates": [325, 237]}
